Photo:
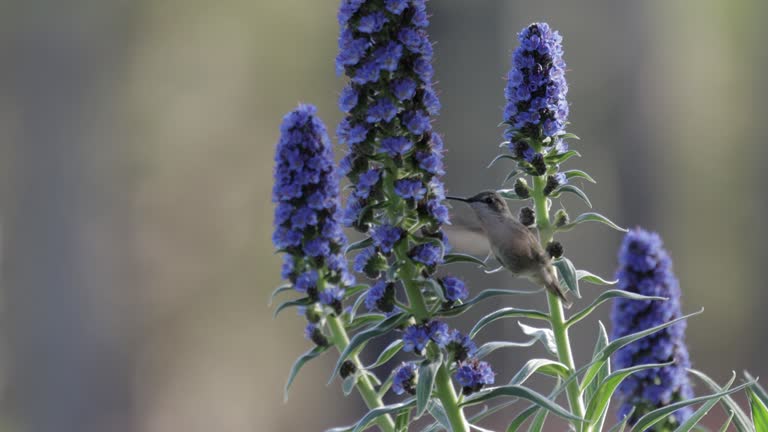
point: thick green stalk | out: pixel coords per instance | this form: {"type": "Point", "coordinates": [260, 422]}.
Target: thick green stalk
{"type": "Point", "coordinates": [364, 384]}
{"type": "Point", "coordinates": [556, 316]}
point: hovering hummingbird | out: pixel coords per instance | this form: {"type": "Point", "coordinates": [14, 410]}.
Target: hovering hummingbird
{"type": "Point", "coordinates": [515, 247]}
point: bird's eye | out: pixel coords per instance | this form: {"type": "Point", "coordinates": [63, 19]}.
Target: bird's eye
{"type": "Point", "coordinates": [489, 200]}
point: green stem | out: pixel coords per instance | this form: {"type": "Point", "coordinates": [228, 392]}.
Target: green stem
{"type": "Point", "coordinates": [556, 316]}
{"type": "Point", "coordinates": [364, 384]}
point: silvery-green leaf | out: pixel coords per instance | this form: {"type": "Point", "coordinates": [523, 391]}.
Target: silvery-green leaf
{"type": "Point", "coordinates": [460, 257]}
{"type": "Point", "coordinates": [741, 419]}
{"type": "Point", "coordinates": [509, 194]}
{"type": "Point", "coordinates": [436, 288]}
{"type": "Point", "coordinates": [500, 157]}
{"type": "Point", "coordinates": [521, 418]}
{"type": "Point", "coordinates": [568, 275]}
{"type": "Point", "coordinates": [538, 422]}
{"type": "Point", "coordinates": [375, 413]}
{"type": "Point", "coordinates": [727, 424]}
{"type": "Point", "coordinates": [354, 289]}
{"type": "Point", "coordinates": [384, 388]}
{"type": "Point", "coordinates": [568, 135]}
{"type": "Point", "coordinates": [364, 320]}
{"type": "Point", "coordinates": [574, 190]}
{"type": "Point", "coordinates": [521, 393]}
{"type": "Point", "coordinates": [478, 428]}
{"type": "Point", "coordinates": [591, 217]}
{"type": "Point", "coordinates": [425, 384]}
{"type": "Point", "coordinates": [660, 414]}
{"type": "Point", "coordinates": [560, 158]}
{"type": "Point", "coordinates": [361, 244]}
{"type": "Point", "coordinates": [757, 388]}
{"type": "Point", "coordinates": [605, 370]}
{"type": "Point", "coordinates": [304, 301]}
{"type": "Point", "coordinates": [512, 174]}
{"type": "Point", "coordinates": [593, 279]}
{"type": "Point", "coordinates": [401, 423]}
{"type": "Point", "coordinates": [301, 361]}
{"type": "Point", "coordinates": [437, 411]}
{"type": "Point", "coordinates": [759, 411]}
{"type": "Point", "coordinates": [355, 306]}
{"type": "Point", "coordinates": [619, 427]}
{"type": "Point", "coordinates": [545, 366]}
{"type": "Point", "coordinates": [604, 297]}
{"type": "Point", "coordinates": [571, 174]}
{"type": "Point", "coordinates": [360, 339]}
{"type": "Point", "coordinates": [387, 353]}
{"type": "Point", "coordinates": [694, 419]}
{"type": "Point", "coordinates": [349, 384]}
{"type": "Point", "coordinates": [490, 347]}
{"type": "Point", "coordinates": [599, 402]}
{"type": "Point", "coordinates": [545, 335]}
{"type": "Point", "coordinates": [278, 290]}
{"type": "Point", "coordinates": [485, 294]}
{"type": "Point", "coordinates": [509, 312]}
{"type": "Point", "coordinates": [485, 412]}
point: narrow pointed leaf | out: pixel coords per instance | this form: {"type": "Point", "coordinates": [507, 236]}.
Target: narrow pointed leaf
{"type": "Point", "coordinates": [741, 419]}
{"type": "Point", "coordinates": [591, 217]}
{"type": "Point", "coordinates": [500, 157]}
{"type": "Point", "coordinates": [568, 275]}
{"type": "Point", "coordinates": [568, 135]}
{"type": "Point", "coordinates": [619, 427]}
{"type": "Point", "coordinates": [560, 158]}
{"type": "Point", "coordinates": [605, 370]}
{"type": "Point", "coordinates": [604, 297]}
{"type": "Point", "coordinates": [437, 411]}
{"type": "Point", "coordinates": [387, 353]}
{"type": "Point", "coordinates": [509, 312]}
{"type": "Point", "coordinates": [512, 174]}
{"type": "Point", "coordinates": [361, 244]}
{"type": "Point", "coordinates": [593, 279]}
{"type": "Point", "coordinates": [360, 339]}
{"type": "Point", "coordinates": [545, 366]}
{"type": "Point", "coordinates": [521, 393]}
{"type": "Point", "coordinates": [364, 320]}
{"type": "Point", "coordinates": [694, 419]}
{"type": "Point", "coordinates": [571, 174]}
{"type": "Point", "coordinates": [349, 384]}
{"type": "Point", "coordinates": [759, 411]}
{"type": "Point", "coordinates": [485, 294]}
{"type": "Point", "coordinates": [490, 347]}
{"type": "Point", "coordinates": [574, 190]}
{"type": "Point", "coordinates": [304, 301]}
{"type": "Point", "coordinates": [299, 363]}
{"type": "Point", "coordinates": [660, 414]}
{"type": "Point", "coordinates": [460, 257]}
{"type": "Point", "coordinates": [521, 418]}
{"type": "Point", "coordinates": [509, 194]}
{"type": "Point", "coordinates": [599, 402]}
{"type": "Point", "coordinates": [375, 413]}
{"type": "Point", "coordinates": [545, 335]}
{"type": "Point", "coordinates": [538, 422]}
{"type": "Point", "coordinates": [354, 289]}
{"type": "Point", "coordinates": [425, 384]}
{"type": "Point", "coordinates": [401, 424]}
{"type": "Point", "coordinates": [278, 290]}
{"type": "Point", "coordinates": [727, 424]}
{"type": "Point", "coordinates": [758, 389]}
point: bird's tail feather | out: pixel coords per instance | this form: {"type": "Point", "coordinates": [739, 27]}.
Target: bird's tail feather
{"type": "Point", "coordinates": [552, 283]}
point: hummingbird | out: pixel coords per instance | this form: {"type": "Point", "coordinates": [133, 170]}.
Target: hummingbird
{"type": "Point", "coordinates": [515, 247]}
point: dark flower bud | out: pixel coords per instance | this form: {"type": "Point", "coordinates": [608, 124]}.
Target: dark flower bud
{"type": "Point", "coordinates": [348, 368]}
{"type": "Point", "coordinates": [313, 333]}
{"type": "Point", "coordinates": [555, 249]}
{"type": "Point", "coordinates": [551, 185]}
{"type": "Point", "coordinates": [561, 218]}
{"type": "Point", "coordinates": [539, 166]}
{"type": "Point", "coordinates": [381, 297]}
{"type": "Point", "coordinates": [312, 315]}
{"type": "Point", "coordinates": [521, 188]}
{"type": "Point", "coordinates": [527, 216]}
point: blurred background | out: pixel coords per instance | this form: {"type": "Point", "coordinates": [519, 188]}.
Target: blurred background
{"type": "Point", "coordinates": [137, 143]}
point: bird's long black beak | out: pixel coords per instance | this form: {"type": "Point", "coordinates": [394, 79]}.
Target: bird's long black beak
{"type": "Point", "coordinates": [455, 198]}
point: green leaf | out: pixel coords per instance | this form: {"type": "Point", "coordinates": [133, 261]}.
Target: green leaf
{"type": "Point", "coordinates": [478, 428]}
{"type": "Point", "coordinates": [521, 418]}
{"type": "Point", "coordinates": [459, 257]}
{"type": "Point", "coordinates": [741, 419]}
{"type": "Point", "coordinates": [363, 320]}
{"type": "Point", "coordinates": [509, 194]}
{"type": "Point", "coordinates": [727, 424]}
{"type": "Point", "coordinates": [568, 135]}
{"type": "Point", "coordinates": [591, 217]}
{"type": "Point", "coordinates": [354, 289]}
{"type": "Point", "coordinates": [426, 383]}
{"type": "Point", "coordinates": [574, 190]}
{"type": "Point", "coordinates": [304, 301]}
{"type": "Point", "coordinates": [362, 244]}
{"type": "Point", "coordinates": [759, 411]}
{"type": "Point", "coordinates": [605, 370]}
{"type": "Point", "coordinates": [436, 288]}
{"type": "Point", "coordinates": [619, 427]}
{"type": "Point", "coordinates": [757, 388]}
{"type": "Point", "coordinates": [485, 412]}
{"type": "Point", "coordinates": [604, 297]}
{"type": "Point", "coordinates": [375, 413]}
{"type": "Point", "coordinates": [538, 422]}
{"type": "Point", "coordinates": [299, 363]}
{"type": "Point", "coordinates": [660, 414]}
{"type": "Point", "coordinates": [493, 292]}
{"type": "Point", "coordinates": [596, 364]}
{"type": "Point", "coordinates": [570, 174]}
{"type": "Point", "coordinates": [545, 335]}
{"type": "Point", "coordinates": [401, 423]}
{"type": "Point", "coordinates": [512, 174]}
{"type": "Point", "coordinates": [593, 279]}
{"type": "Point", "coordinates": [568, 275]}
{"type": "Point", "coordinates": [692, 421]}
{"type": "Point", "coordinates": [437, 411]}
{"type": "Point", "coordinates": [278, 290]}
{"type": "Point", "coordinates": [521, 393]}
{"type": "Point", "coordinates": [360, 339]}
{"type": "Point", "coordinates": [560, 158]}
{"type": "Point", "coordinates": [500, 157]}
{"type": "Point", "coordinates": [349, 384]}
{"type": "Point", "coordinates": [599, 402]}
{"type": "Point", "coordinates": [387, 353]}
{"type": "Point", "coordinates": [545, 366]}
{"type": "Point", "coordinates": [509, 312]}
{"type": "Point", "coordinates": [490, 347]}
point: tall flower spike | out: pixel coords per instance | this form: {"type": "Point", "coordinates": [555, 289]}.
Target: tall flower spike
{"type": "Point", "coordinates": [536, 87]}
{"type": "Point", "coordinates": [646, 268]}
{"type": "Point", "coordinates": [307, 214]}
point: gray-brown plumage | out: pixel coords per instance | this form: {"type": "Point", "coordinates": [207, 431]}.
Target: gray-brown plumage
{"type": "Point", "coordinates": [513, 244]}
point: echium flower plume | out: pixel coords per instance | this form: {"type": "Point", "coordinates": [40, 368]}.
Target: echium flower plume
{"type": "Point", "coordinates": [307, 227]}
{"type": "Point", "coordinates": [537, 110]}
{"type": "Point", "coordinates": [646, 268]}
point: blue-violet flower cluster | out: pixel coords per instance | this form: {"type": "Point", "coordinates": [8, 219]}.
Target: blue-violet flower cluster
{"type": "Point", "coordinates": [646, 268]}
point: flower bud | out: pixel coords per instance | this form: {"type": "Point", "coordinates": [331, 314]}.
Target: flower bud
{"type": "Point", "coordinates": [521, 188]}
{"type": "Point", "coordinates": [527, 217]}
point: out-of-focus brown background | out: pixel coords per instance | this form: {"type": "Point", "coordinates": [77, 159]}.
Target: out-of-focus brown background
{"type": "Point", "coordinates": [137, 141]}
